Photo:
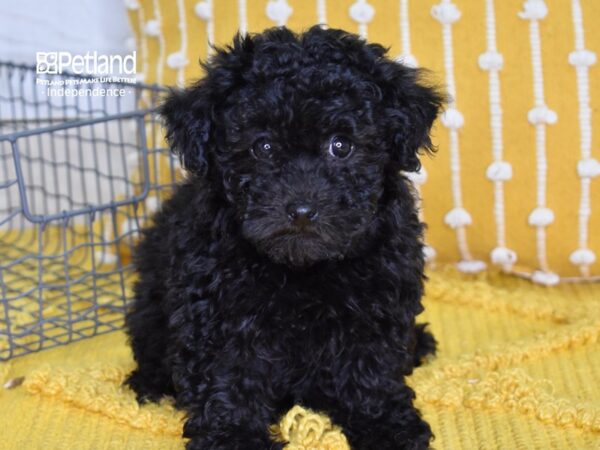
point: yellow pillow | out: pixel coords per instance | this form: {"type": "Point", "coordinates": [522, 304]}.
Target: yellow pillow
{"type": "Point", "coordinates": [515, 181]}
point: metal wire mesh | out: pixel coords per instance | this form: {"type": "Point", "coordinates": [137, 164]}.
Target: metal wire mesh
{"type": "Point", "coordinates": [79, 176]}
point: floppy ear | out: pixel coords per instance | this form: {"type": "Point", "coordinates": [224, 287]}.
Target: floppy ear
{"type": "Point", "coordinates": [186, 114]}
{"type": "Point", "coordinates": [190, 114]}
{"type": "Point", "coordinates": [412, 106]}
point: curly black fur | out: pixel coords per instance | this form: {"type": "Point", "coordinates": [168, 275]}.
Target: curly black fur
{"type": "Point", "coordinates": [244, 307]}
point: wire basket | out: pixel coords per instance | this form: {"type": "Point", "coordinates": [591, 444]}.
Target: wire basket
{"type": "Point", "coordinates": [79, 176]}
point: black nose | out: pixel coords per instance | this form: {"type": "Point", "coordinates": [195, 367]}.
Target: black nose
{"type": "Point", "coordinates": [301, 214]}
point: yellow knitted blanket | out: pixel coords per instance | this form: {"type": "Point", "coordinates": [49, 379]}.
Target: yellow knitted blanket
{"type": "Point", "coordinates": [518, 368]}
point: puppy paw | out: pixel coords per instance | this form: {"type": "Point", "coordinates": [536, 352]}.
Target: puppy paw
{"type": "Point", "coordinates": [406, 436]}
{"type": "Point", "coordinates": [145, 388]}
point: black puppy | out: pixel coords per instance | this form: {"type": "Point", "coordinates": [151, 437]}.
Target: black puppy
{"type": "Point", "coordinates": [288, 268]}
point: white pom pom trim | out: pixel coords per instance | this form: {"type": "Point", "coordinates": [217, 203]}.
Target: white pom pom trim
{"type": "Point", "coordinates": [203, 11]}
{"type": "Point", "coordinates": [583, 257]}
{"type": "Point", "coordinates": [176, 60]}
{"type": "Point", "coordinates": [542, 114]}
{"type": "Point", "coordinates": [279, 11]}
{"type": "Point", "coordinates": [582, 58]}
{"type": "Point", "coordinates": [588, 168]}
{"type": "Point", "coordinates": [452, 119]}
{"type": "Point", "coordinates": [503, 256]}
{"type": "Point", "coordinates": [471, 266]}
{"type": "Point", "coordinates": [499, 171]}
{"type": "Point", "coordinates": [419, 178]}
{"type": "Point", "coordinates": [361, 12]}
{"type": "Point", "coordinates": [491, 61]}
{"type": "Point", "coordinates": [152, 28]}
{"type": "Point", "coordinates": [534, 10]}
{"type": "Point", "coordinates": [541, 217]}
{"type": "Point", "coordinates": [429, 253]}
{"type": "Point", "coordinates": [545, 278]}
{"type": "Point", "coordinates": [446, 13]}
{"type": "Point", "coordinates": [457, 217]}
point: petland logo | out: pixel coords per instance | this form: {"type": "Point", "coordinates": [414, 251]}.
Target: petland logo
{"type": "Point", "coordinates": [54, 63]}
{"type": "Point", "coordinates": [91, 75]}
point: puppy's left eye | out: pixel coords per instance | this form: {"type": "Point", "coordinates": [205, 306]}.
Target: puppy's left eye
{"type": "Point", "coordinates": [262, 149]}
{"type": "Point", "coordinates": [340, 147]}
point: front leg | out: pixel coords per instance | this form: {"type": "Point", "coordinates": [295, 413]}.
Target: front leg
{"type": "Point", "coordinates": [250, 436]}
{"type": "Point", "coordinates": [368, 398]}
{"type": "Point", "coordinates": [386, 421]}
{"type": "Point", "coordinates": [230, 406]}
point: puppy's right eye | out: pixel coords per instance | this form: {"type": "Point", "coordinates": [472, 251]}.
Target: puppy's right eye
{"type": "Point", "coordinates": [262, 149]}
{"type": "Point", "coordinates": [340, 147]}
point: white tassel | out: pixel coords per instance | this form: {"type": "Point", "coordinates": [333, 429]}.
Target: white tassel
{"type": "Point", "coordinates": [541, 217]}
{"type": "Point", "coordinates": [152, 28]}
{"type": "Point", "coordinates": [203, 10]}
{"type": "Point", "coordinates": [545, 278]}
{"type": "Point", "coordinates": [406, 57]}
{"type": "Point", "coordinates": [588, 168]}
{"type": "Point", "coordinates": [542, 115]}
{"type": "Point", "coordinates": [361, 12]}
{"type": "Point", "coordinates": [503, 256]}
{"type": "Point", "coordinates": [534, 10]}
{"type": "Point", "coordinates": [499, 171]}
{"type": "Point", "coordinates": [582, 58]}
{"type": "Point", "coordinates": [583, 257]}
{"type": "Point", "coordinates": [445, 13]}
{"type": "Point", "coordinates": [452, 118]}
{"type": "Point", "coordinates": [491, 60]}
{"type": "Point", "coordinates": [471, 266]}
{"type": "Point", "coordinates": [242, 16]}
{"type": "Point", "coordinates": [457, 217]}
{"type": "Point", "coordinates": [177, 60]}
{"type": "Point", "coordinates": [279, 11]}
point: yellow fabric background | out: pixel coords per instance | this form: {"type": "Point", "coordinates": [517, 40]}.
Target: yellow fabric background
{"type": "Point", "coordinates": [563, 149]}
{"type": "Point", "coordinates": [518, 368]}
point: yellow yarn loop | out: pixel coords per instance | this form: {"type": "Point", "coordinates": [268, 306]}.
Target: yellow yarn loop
{"type": "Point", "coordinates": [303, 429]}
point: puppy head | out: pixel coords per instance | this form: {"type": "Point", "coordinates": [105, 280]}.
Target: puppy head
{"type": "Point", "coordinates": [301, 134]}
